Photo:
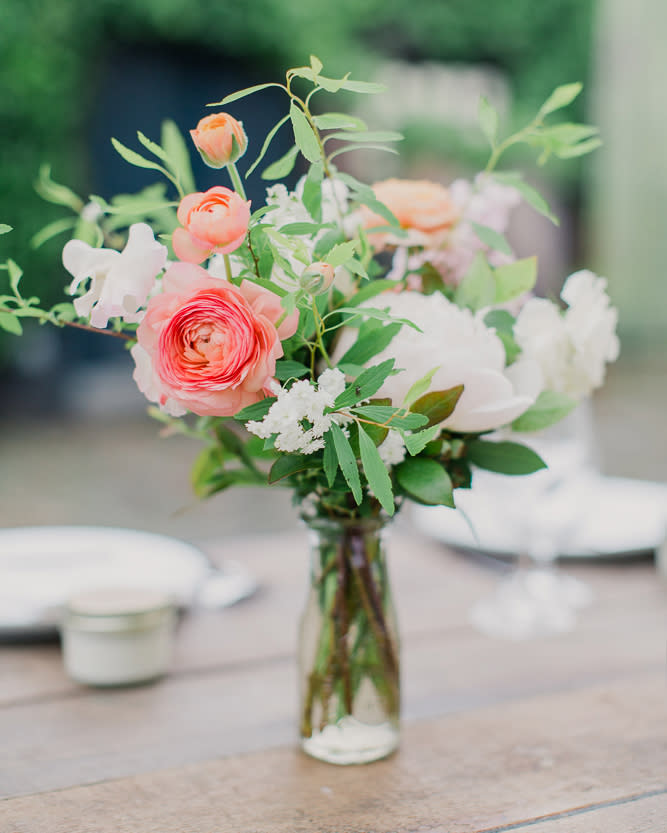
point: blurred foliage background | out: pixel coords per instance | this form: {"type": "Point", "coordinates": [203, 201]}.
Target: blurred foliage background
{"type": "Point", "coordinates": [62, 61]}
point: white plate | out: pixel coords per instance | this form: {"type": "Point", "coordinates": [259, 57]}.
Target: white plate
{"type": "Point", "coordinates": [41, 567]}
{"type": "Point", "coordinates": [620, 518]}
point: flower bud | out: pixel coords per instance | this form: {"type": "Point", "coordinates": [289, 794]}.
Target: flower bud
{"type": "Point", "coordinates": [317, 278]}
{"type": "Point", "coordinates": [220, 139]}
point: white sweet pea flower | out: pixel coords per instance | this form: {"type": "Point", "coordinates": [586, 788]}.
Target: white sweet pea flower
{"type": "Point", "coordinates": [571, 347]}
{"type": "Point", "coordinates": [120, 282]}
{"type": "Point", "coordinates": [467, 353]}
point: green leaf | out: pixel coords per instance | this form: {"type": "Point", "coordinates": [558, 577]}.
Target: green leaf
{"type": "Point", "coordinates": [243, 93]}
{"type": "Point", "coordinates": [416, 443]}
{"type": "Point", "coordinates": [267, 142]}
{"type": "Point", "coordinates": [340, 253]}
{"type": "Point", "coordinates": [419, 387]}
{"type": "Point", "coordinates": [365, 348]}
{"type": "Point", "coordinates": [288, 369]}
{"type": "Point", "coordinates": [549, 408]}
{"type": "Point", "coordinates": [312, 191]}
{"type": "Point", "coordinates": [10, 323]}
{"type": "Point", "coordinates": [560, 97]}
{"type": "Point", "coordinates": [50, 230]}
{"type": "Point", "coordinates": [514, 279]}
{"type": "Point", "coordinates": [361, 146]}
{"type": "Point", "coordinates": [54, 192]}
{"type": "Point", "coordinates": [4, 228]}
{"type": "Point", "coordinates": [578, 150]}
{"type": "Point", "coordinates": [477, 289]}
{"type": "Point", "coordinates": [376, 472]}
{"type": "Point", "coordinates": [390, 417]}
{"type": "Point", "coordinates": [492, 238]}
{"type": "Point", "coordinates": [347, 461]}
{"type": "Point", "coordinates": [315, 64]}
{"type": "Point", "coordinates": [256, 411]}
{"type": "Point", "coordinates": [437, 405]}
{"type": "Point", "coordinates": [426, 481]}
{"type": "Point", "coordinates": [178, 157]}
{"type": "Point", "coordinates": [503, 323]}
{"type": "Point", "coordinates": [504, 457]}
{"type": "Point", "coordinates": [530, 194]}
{"type": "Point", "coordinates": [367, 136]}
{"type": "Point", "coordinates": [135, 158]}
{"type": "Point", "coordinates": [338, 121]}
{"type": "Point", "coordinates": [287, 465]}
{"type": "Point", "coordinates": [303, 134]}
{"type": "Point", "coordinates": [329, 459]}
{"type": "Point", "coordinates": [15, 274]}
{"type": "Point", "coordinates": [365, 385]}
{"type": "Point", "coordinates": [365, 87]}
{"type": "Point", "coordinates": [488, 121]}
{"type": "Point", "coordinates": [281, 167]}
{"type": "Point", "coordinates": [153, 147]}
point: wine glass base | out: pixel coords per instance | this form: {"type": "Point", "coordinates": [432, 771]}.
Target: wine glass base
{"type": "Point", "coordinates": [531, 603]}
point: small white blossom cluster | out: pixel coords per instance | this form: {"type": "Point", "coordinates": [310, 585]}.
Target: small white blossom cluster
{"type": "Point", "coordinates": [392, 449]}
{"type": "Point", "coordinates": [571, 347]}
{"type": "Point", "coordinates": [298, 417]}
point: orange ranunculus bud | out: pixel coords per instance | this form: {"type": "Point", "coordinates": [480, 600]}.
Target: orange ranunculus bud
{"type": "Point", "coordinates": [220, 139]}
{"type": "Point", "coordinates": [317, 278]}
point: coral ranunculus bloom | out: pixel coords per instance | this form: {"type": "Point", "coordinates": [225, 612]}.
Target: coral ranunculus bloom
{"type": "Point", "coordinates": [214, 221]}
{"type": "Point", "coordinates": [208, 346]}
{"type": "Point", "coordinates": [220, 139]}
{"type": "Point", "coordinates": [425, 209]}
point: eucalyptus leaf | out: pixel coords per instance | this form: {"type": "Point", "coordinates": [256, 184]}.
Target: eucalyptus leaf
{"type": "Point", "coordinates": [549, 408]}
{"type": "Point", "coordinates": [425, 481]}
{"type": "Point", "coordinates": [269, 138]}
{"type": "Point", "coordinates": [504, 457]}
{"type": "Point", "coordinates": [338, 121]}
{"type": "Point", "coordinates": [304, 136]}
{"type": "Point", "coordinates": [529, 194]}
{"type": "Point", "coordinates": [243, 93]}
{"type": "Point", "coordinates": [51, 230]}
{"type": "Point", "coordinates": [347, 461]}
{"type": "Point", "coordinates": [281, 167]}
{"type": "Point", "coordinates": [376, 472]}
{"type": "Point", "coordinates": [135, 158]}
{"type": "Point", "coordinates": [478, 288]}
{"type": "Point", "coordinates": [178, 157]}
{"type": "Point", "coordinates": [390, 417]}
{"type": "Point", "coordinates": [560, 97]}
{"type": "Point", "coordinates": [514, 279]}
{"type": "Point", "coordinates": [488, 121]}
{"type": "Point", "coordinates": [492, 238]}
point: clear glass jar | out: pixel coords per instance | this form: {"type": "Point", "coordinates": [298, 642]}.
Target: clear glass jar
{"type": "Point", "coordinates": [349, 666]}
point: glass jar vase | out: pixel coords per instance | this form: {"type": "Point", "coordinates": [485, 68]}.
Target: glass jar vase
{"type": "Point", "coordinates": [348, 645]}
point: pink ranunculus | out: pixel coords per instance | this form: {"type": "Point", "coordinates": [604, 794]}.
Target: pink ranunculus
{"type": "Point", "coordinates": [214, 221]}
{"type": "Point", "coordinates": [208, 346]}
{"type": "Point", "coordinates": [220, 139]}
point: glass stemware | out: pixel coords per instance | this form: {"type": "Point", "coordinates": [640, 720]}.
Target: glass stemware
{"type": "Point", "coordinates": [545, 509]}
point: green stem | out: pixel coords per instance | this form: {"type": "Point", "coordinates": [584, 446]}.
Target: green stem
{"type": "Point", "coordinates": [228, 267]}
{"type": "Point", "coordinates": [236, 179]}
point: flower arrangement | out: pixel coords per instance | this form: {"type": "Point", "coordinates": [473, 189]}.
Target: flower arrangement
{"type": "Point", "coordinates": [357, 343]}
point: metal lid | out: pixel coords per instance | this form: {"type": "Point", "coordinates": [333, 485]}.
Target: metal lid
{"type": "Point", "coordinates": [118, 609]}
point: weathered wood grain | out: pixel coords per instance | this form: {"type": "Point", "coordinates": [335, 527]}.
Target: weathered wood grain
{"type": "Point", "coordinates": [488, 769]}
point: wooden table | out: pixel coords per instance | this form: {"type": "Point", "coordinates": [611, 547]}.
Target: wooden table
{"type": "Point", "coordinates": [559, 735]}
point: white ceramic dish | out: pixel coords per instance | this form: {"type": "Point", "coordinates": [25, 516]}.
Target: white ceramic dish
{"type": "Point", "coordinates": [621, 518]}
{"type": "Point", "coordinates": [42, 567]}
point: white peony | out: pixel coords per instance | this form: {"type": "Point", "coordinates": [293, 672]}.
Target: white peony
{"type": "Point", "coordinates": [120, 282]}
{"type": "Point", "coordinates": [464, 350]}
{"type": "Point", "coordinates": [571, 347]}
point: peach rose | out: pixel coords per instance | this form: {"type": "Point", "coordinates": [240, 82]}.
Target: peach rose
{"type": "Point", "coordinates": [215, 221]}
{"type": "Point", "coordinates": [220, 139]}
{"type": "Point", "coordinates": [425, 209]}
{"type": "Point", "coordinates": [208, 346]}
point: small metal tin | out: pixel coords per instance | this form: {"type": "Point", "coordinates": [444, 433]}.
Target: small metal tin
{"type": "Point", "coordinates": [116, 637]}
